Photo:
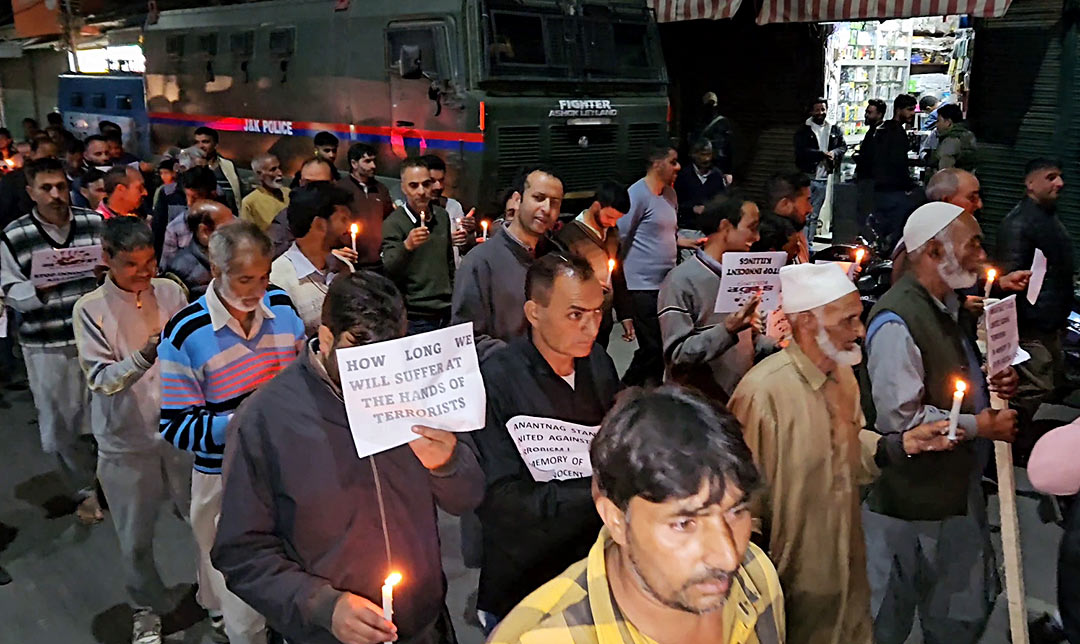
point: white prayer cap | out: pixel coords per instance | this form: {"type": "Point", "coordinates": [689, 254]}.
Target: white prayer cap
{"type": "Point", "coordinates": [805, 287]}
{"type": "Point", "coordinates": [927, 221]}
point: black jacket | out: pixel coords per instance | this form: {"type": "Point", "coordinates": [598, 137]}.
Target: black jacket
{"type": "Point", "coordinates": [691, 192]}
{"type": "Point", "coordinates": [1026, 228]}
{"type": "Point", "coordinates": [533, 531]}
{"type": "Point", "coordinates": [808, 152]}
{"type": "Point", "coordinates": [300, 516]}
{"type": "Point", "coordinates": [889, 166]}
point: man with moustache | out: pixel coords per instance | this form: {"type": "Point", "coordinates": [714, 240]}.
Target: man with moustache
{"type": "Point", "coordinates": [311, 171]}
{"type": "Point", "coordinates": [264, 203]}
{"type": "Point", "coordinates": [927, 536]}
{"type": "Point", "coordinates": [802, 419]}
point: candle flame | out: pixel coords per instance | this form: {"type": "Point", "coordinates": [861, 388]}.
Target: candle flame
{"type": "Point", "coordinates": [484, 224]}
{"type": "Point", "coordinates": [961, 386]}
{"type": "Point", "coordinates": [354, 229]}
{"type": "Point", "coordinates": [990, 275]}
{"type": "Point", "coordinates": [859, 254]}
{"type": "Point", "coordinates": [394, 579]}
{"type": "Point", "coordinates": [610, 265]}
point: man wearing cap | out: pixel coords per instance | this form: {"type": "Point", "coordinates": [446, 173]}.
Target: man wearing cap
{"type": "Point", "coordinates": [928, 542]}
{"type": "Point", "coordinates": [813, 456]}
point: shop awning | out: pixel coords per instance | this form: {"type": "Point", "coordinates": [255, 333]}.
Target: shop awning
{"type": "Point", "coordinates": [842, 10]}
{"type": "Point", "coordinates": [674, 10]}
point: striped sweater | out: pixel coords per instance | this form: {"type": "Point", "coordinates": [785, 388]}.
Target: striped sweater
{"type": "Point", "coordinates": [208, 369]}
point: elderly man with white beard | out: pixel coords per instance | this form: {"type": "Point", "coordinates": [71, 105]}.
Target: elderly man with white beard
{"type": "Point", "coordinates": [802, 419]}
{"type": "Point", "coordinates": [928, 541]}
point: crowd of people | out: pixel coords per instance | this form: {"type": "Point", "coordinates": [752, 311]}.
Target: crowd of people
{"type": "Point", "coordinates": [196, 369]}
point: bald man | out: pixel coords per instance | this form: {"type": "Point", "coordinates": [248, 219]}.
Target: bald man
{"type": "Point", "coordinates": [192, 262]}
{"type": "Point", "coordinates": [314, 169]}
{"type": "Point", "coordinates": [270, 197]}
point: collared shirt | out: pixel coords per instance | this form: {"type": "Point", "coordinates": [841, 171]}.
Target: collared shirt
{"type": "Point", "coordinates": [305, 284]}
{"type": "Point", "coordinates": [177, 236]}
{"type": "Point", "coordinates": [220, 316]}
{"type": "Point", "coordinates": [260, 206]}
{"type": "Point", "coordinates": [805, 428]}
{"type": "Point", "coordinates": [531, 249]}
{"type": "Point", "coordinates": [577, 607]}
{"type": "Point", "coordinates": [600, 232]}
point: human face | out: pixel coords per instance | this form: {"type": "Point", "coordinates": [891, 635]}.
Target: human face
{"type": "Point", "coordinates": [873, 116]}
{"type": "Point", "coordinates": [416, 186]}
{"type": "Point", "coordinates": [667, 169]}
{"type": "Point", "coordinates": [125, 199]}
{"type": "Point", "coordinates": [115, 150]}
{"type": "Point", "coordinates": [965, 255]}
{"type": "Point", "coordinates": [328, 152]}
{"type": "Point", "coordinates": [703, 158]}
{"type": "Point", "coordinates": [337, 226]}
{"type": "Point", "coordinates": [205, 142]}
{"type": "Point", "coordinates": [167, 176]}
{"type": "Point", "coordinates": [967, 195]}
{"type": "Point", "coordinates": [1044, 186]}
{"type": "Point", "coordinates": [364, 169]}
{"type": "Point", "coordinates": [94, 192]}
{"type": "Point", "coordinates": [607, 216]}
{"type": "Point", "coordinates": [905, 115]}
{"type": "Point", "coordinates": [73, 161]}
{"type": "Point", "coordinates": [840, 329]}
{"type": "Point", "coordinates": [798, 208]}
{"type": "Point", "coordinates": [567, 325]}
{"type": "Point", "coordinates": [684, 553]}
{"type": "Point", "coordinates": [46, 150]}
{"type": "Point", "coordinates": [438, 183]}
{"type": "Point", "coordinates": [132, 270]}
{"type": "Point", "coordinates": [315, 172]}
{"type": "Point", "coordinates": [97, 152]}
{"type": "Point", "coordinates": [243, 283]}
{"type": "Point", "coordinates": [540, 204]}
{"type": "Point", "coordinates": [270, 175]}
{"type": "Point", "coordinates": [50, 194]}
{"type": "Point", "coordinates": [741, 238]}
{"type": "Point", "coordinates": [818, 113]}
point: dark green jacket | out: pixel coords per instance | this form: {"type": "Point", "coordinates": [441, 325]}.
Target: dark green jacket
{"type": "Point", "coordinates": [956, 149]}
{"type": "Point", "coordinates": [424, 275]}
{"type": "Point", "coordinates": [930, 486]}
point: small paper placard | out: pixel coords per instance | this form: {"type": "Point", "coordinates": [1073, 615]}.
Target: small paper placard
{"type": "Point", "coordinates": [748, 273]}
{"type": "Point", "coordinates": [51, 266]}
{"type": "Point", "coordinates": [552, 449]}
{"type": "Point", "coordinates": [1002, 337]}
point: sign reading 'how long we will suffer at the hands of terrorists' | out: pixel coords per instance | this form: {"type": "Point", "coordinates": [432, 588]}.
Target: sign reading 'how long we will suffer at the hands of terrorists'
{"type": "Point", "coordinates": [430, 379]}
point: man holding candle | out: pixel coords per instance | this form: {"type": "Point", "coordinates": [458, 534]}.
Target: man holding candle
{"type": "Point", "coordinates": [371, 203]}
{"type": "Point", "coordinates": [301, 536]}
{"type": "Point", "coordinates": [533, 529]}
{"type": "Point", "coordinates": [318, 218]}
{"type": "Point", "coordinates": [928, 542]}
{"type": "Point", "coordinates": [593, 237]}
{"type": "Point", "coordinates": [417, 251]}
{"type": "Point", "coordinates": [702, 348]}
{"type": "Point", "coordinates": [490, 286]}
{"type": "Point", "coordinates": [802, 419]}
{"type": "Point", "coordinates": [672, 483]}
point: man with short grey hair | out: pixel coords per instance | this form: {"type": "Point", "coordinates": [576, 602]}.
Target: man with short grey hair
{"type": "Point", "coordinates": [263, 203]}
{"type": "Point", "coordinates": [213, 354]}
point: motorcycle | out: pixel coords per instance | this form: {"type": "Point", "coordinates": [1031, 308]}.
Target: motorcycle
{"type": "Point", "coordinates": [872, 270]}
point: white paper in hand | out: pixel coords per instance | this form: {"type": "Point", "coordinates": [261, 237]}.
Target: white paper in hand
{"type": "Point", "coordinates": [552, 449]}
{"type": "Point", "coordinates": [1038, 274]}
{"type": "Point", "coordinates": [51, 266]}
{"type": "Point", "coordinates": [430, 379]}
{"type": "Point", "coordinates": [1002, 337]}
{"type": "Point", "coordinates": [747, 273]}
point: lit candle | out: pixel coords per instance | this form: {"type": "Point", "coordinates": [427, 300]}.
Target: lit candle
{"type": "Point", "coordinates": [484, 225]}
{"type": "Point", "coordinates": [990, 275]}
{"type": "Point", "coordinates": [954, 413]}
{"type": "Point", "coordinates": [610, 270]}
{"type": "Point", "coordinates": [388, 595]}
{"type": "Point", "coordinates": [859, 255]}
{"type": "Point", "coordinates": [423, 219]}
{"type": "Point", "coordinates": [353, 230]}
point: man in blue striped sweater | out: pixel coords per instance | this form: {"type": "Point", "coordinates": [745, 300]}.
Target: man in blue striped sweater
{"type": "Point", "coordinates": [214, 354]}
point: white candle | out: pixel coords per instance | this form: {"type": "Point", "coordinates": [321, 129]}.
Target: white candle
{"type": "Point", "coordinates": [610, 270]}
{"type": "Point", "coordinates": [484, 225]}
{"type": "Point", "coordinates": [388, 595]}
{"type": "Point", "coordinates": [954, 413]}
{"type": "Point", "coordinates": [353, 230]}
{"type": "Point", "coordinates": [990, 275]}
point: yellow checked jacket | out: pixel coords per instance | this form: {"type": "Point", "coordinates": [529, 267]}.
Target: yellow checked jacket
{"type": "Point", "coordinates": [577, 607]}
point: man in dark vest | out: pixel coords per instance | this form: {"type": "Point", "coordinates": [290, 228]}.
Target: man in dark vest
{"type": "Point", "coordinates": [46, 333]}
{"type": "Point", "coordinates": [928, 542]}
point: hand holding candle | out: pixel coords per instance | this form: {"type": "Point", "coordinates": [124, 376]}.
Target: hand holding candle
{"type": "Point", "coordinates": [954, 413]}
{"type": "Point", "coordinates": [610, 270]}
{"type": "Point", "coordinates": [991, 275]}
{"type": "Point", "coordinates": [388, 595]}
{"type": "Point", "coordinates": [353, 230]}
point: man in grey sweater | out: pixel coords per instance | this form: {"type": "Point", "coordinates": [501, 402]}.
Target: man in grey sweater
{"type": "Point", "coordinates": [489, 288]}
{"type": "Point", "coordinates": [704, 349]}
{"type": "Point", "coordinates": [117, 327]}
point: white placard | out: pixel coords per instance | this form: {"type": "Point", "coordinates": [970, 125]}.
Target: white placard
{"type": "Point", "coordinates": [1002, 337]}
{"type": "Point", "coordinates": [51, 266]}
{"type": "Point", "coordinates": [552, 449]}
{"type": "Point", "coordinates": [1038, 274]}
{"type": "Point", "coordinates": [430, 379]}
{"type": "Point", "coordinates": [746, 274]}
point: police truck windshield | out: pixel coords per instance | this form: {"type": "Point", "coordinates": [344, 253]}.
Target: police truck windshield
{"type": "Point", "coordinates": [588, 42]}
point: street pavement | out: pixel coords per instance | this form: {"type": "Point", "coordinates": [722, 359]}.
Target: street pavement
{"type": "Point", "coordinates": [66, 577]}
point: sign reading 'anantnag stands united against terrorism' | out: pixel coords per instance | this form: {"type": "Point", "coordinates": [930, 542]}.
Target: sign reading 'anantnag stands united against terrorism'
{"type": "Point", "coordinates": [552, 449]}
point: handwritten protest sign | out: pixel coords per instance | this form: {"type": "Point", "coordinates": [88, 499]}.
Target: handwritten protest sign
{"type": "Point", "coordinates": [1038, 274]}
{"type": "Point", "coordinates": [428, 379]}
{"type": "Point", "coordinates": [51, 266]}
{"type": "Point", "coordinates": [1002, 337]}
{"type": "Point", "coordinates": [552, 449]}
{"type": "Point", "coordinates": [746, 274]}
